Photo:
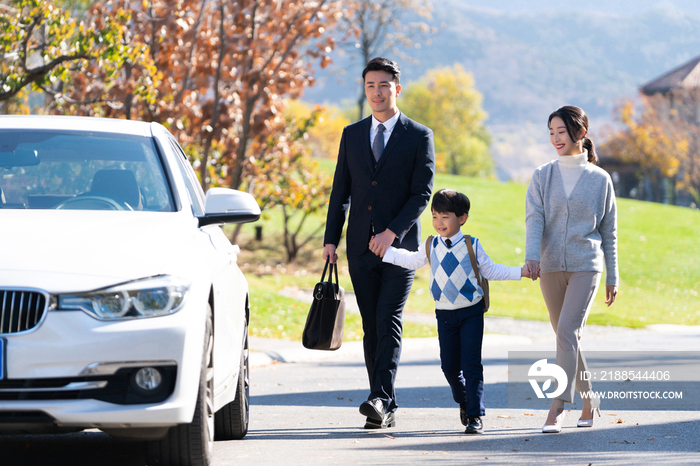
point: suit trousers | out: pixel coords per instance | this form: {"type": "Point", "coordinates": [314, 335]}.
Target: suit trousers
{"type": "Point", "coordinates": [569, 296]}
{"type": "Point", "coordinates": [381, 290]}
{"type": "Point", "coordinates": [460, 333]}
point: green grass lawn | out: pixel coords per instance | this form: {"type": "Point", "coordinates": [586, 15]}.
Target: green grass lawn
{"type": "Point", "coordinates": [659, 260]}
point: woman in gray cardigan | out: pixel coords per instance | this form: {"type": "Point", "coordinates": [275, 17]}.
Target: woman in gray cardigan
{"type": "Point", "coordinates": [571, 220]}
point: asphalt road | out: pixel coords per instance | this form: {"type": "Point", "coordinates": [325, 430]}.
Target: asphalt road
{"type": "Point", "coordinates": [309, 407]}
{"type": "Point", "coordinates": [304, 410]}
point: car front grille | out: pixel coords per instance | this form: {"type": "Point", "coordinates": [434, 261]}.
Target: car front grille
{"type": "Point", "coordinates": [21, 310]}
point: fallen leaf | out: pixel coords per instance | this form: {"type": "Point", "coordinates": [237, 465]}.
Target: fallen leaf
{"type": "Point", "coordinates": [653, 438]}
{"type": "Point", "coordinates": [355, 441]}
{"type": "Point", "coordinates": [619, 421]}
{"type": "Point", "coordinates": [505, 417]}
{"type": "Point", "coordinates": [515, 449]}
{"type": "Point", "coordinates": [526, 440]}
{"type": "Point", "coordinates": [528, 414]}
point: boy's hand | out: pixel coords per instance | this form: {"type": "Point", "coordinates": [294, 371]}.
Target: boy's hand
{"type": "Point", "coordinates": [525, 271]}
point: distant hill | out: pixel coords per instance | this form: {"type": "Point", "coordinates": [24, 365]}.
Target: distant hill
{"type": "Point", "coordinates": [528, 62]}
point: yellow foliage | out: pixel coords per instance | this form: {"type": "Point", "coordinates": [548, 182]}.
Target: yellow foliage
{"type": "Point", "coordinates": [324, 137]}
{"type": "Point", "coordinates": [446, 101]}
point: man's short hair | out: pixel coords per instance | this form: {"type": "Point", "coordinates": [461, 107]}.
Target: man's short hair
{"type": "Point", "coordinates": [383, 64]}
{"type": "Point", "coordinates": [449, 200]}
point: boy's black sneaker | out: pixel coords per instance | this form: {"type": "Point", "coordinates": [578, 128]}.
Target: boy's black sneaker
{"type": "Point", "coordinates": [474, 426]}
{"type": "Point", "coordinates": [463, 414]}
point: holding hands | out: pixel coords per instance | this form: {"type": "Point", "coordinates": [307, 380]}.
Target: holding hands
{"type": "Point", "coordinates": [533, 269]}
{"type": "Point", "coordinates": [378, 244]}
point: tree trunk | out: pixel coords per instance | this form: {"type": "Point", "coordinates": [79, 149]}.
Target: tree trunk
{"type": "Point", "coordinates": [361, 104]}
{"type": "Point", "coordinates": [243, 136]}
{"type": "Point", "coordinates": [203, 172]}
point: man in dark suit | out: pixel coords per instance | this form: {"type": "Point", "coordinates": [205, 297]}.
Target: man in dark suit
{"type": "Point", "coordinates": [385, 166]}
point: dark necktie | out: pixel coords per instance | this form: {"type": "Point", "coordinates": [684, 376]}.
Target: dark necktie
{"type": "Point", "coordinates": [378, 144]}
{"type": "Point", "coordinates": [448, 242]}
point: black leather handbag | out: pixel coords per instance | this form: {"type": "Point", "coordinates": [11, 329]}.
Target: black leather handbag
{"type": "Point", "coordinates": [326, 319]}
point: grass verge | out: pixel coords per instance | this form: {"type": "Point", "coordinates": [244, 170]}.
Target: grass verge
{"type": "Point", "coordinates": [659, 262]}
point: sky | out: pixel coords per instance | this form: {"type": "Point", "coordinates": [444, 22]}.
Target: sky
{"type": "Point", "coordinates": [619, 7]}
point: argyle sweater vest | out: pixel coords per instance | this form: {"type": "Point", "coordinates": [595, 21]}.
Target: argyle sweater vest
{"type": "Point", "coordinates": [453, 281]}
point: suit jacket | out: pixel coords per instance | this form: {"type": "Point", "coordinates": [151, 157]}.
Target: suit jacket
{"type": "Point", "coordinates": [391, 193]}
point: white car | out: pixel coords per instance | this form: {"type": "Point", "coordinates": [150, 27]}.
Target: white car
{"type": "Point", "coordinates": [122, 306]}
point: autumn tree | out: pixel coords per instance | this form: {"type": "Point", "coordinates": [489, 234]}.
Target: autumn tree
{"type": "Point", "coordinates": [663, 141]}
{"type": "Point", "coordinates": [446, 101]}
{"type": "Point", "coordinates": [285, 176]}
{"type": "Point", "coordinates": [378, 27]}
{"type": "Point", "coordinates": [226, 68]}
{"type": "Point", "coordinates": [43, 48]}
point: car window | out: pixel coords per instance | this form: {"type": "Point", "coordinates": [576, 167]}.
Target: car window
{"type": "Point", "coordinates": [194, 189]}
{"type": "Point", "coordinates": [50, 169]}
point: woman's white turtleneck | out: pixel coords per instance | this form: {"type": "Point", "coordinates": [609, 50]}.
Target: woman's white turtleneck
{"type": "Point", "coordinates": [571, 167]}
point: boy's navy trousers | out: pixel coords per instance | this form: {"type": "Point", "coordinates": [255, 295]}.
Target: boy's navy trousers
{"type": "Point", "coordinates": [460, 333]}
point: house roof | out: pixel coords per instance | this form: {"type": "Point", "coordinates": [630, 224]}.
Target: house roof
{"type": "Point", "coordinates": [686, 76]}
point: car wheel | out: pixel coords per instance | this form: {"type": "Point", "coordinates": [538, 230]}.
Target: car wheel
{"type": "Point", "coordinates": [232, 419]}
{"type": "Point", "coordinates": [191, 444]}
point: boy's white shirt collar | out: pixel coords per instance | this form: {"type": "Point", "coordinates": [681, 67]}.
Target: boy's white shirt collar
{"type": "Point", "coordinates": [455, 238]}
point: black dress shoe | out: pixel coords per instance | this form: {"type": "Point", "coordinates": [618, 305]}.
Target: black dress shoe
{"type": "Point", "coordinates": [463, 414]}
{"type": "Point", "coordinates": [389, 421]}
{"type": "Point", "coordinates": [474, 426]}
{"type": "Point", "coordinates": [373, 409]}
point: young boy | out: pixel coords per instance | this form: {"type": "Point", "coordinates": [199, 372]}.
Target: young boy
{"type": "Point", "coordinates": [459, 306]}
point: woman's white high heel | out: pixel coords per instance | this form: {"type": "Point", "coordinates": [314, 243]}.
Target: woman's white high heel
{"type": "Point", "coordinates": [554, 428]}
{"type": "Point", "coordinates": [595, 405]}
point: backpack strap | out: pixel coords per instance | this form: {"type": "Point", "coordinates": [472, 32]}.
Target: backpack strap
{"type": "Point", "coordinates": [483, 282]}
{"type": "Point", "coordinates": [472, 256]}
{"type": "Point", "coordinates": [428, 242]}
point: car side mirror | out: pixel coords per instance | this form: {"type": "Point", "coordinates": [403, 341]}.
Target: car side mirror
{"type": "Point", "coordinates": [225, 205]}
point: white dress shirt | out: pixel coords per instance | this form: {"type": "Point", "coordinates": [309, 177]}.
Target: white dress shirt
{"type": "Point", "coordinates": [487, 268]}
{"type": "Point", "coordinates": [388, 128]}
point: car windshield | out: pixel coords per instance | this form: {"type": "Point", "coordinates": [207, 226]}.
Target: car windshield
{"type": "Point", "coordinates": [44, 169]}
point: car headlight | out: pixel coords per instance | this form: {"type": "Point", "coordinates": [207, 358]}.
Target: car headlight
{"type": "Point", "coordinates": [148, 297]}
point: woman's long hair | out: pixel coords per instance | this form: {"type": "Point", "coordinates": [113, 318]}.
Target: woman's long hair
{"type": "Point", "coordinates": [576, 120]}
